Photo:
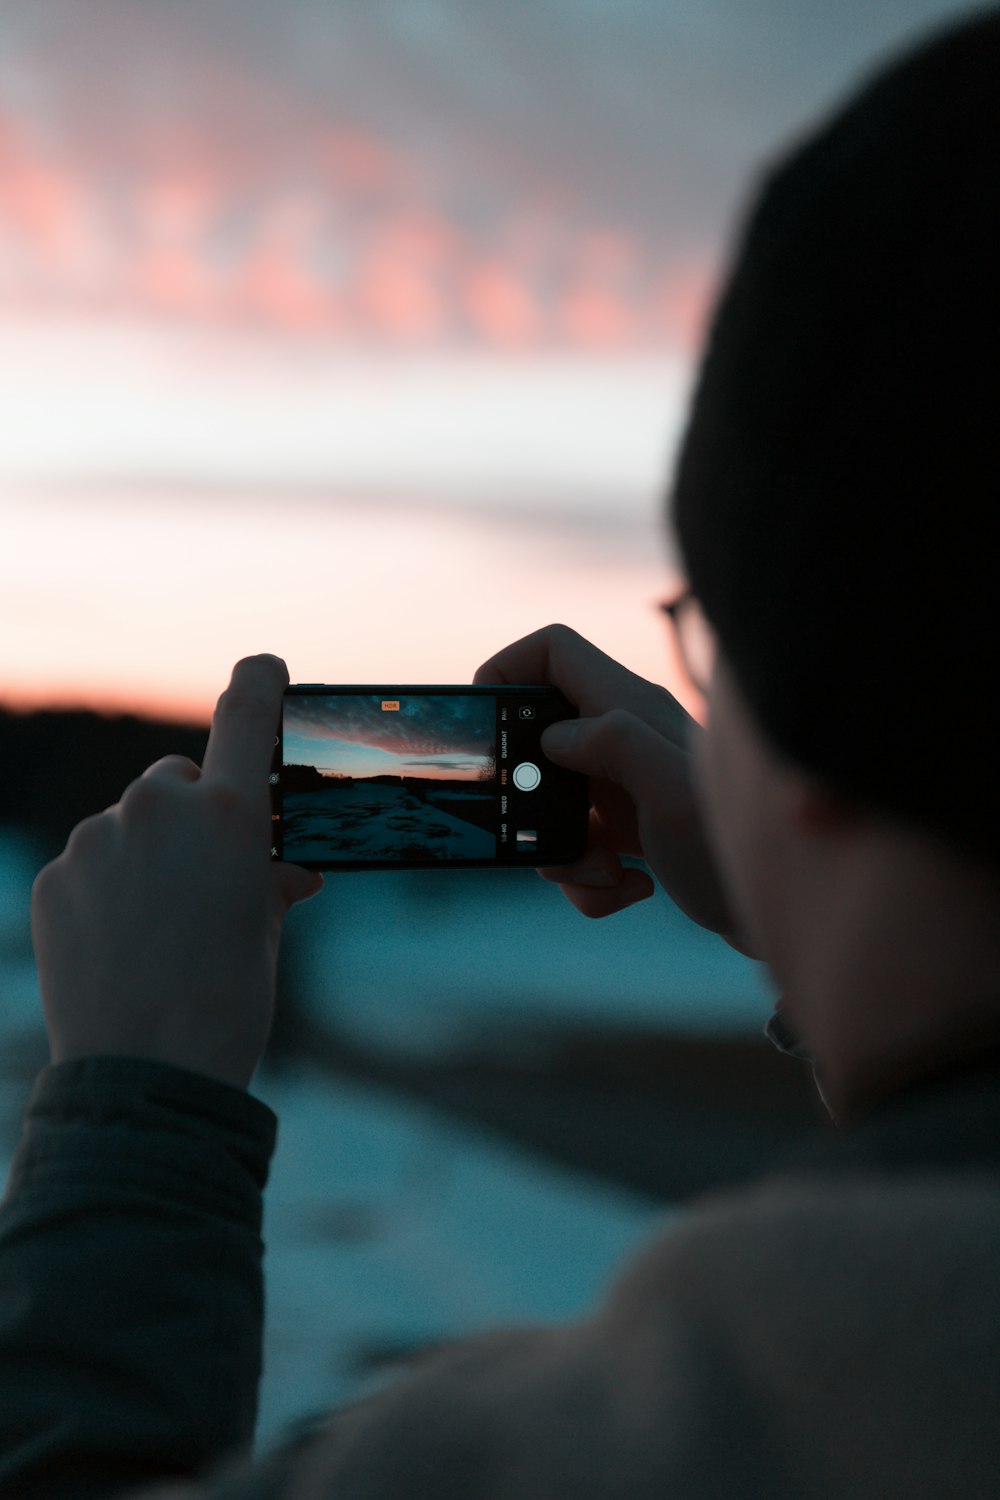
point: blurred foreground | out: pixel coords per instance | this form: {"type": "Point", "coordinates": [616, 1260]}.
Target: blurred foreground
{"type": "Point", "coordinates": [486, 1101]}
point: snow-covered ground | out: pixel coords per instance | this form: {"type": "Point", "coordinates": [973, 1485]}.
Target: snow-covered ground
{"type": "Point", "coordinates": [371, 820]}
{"type": "Point", "coordinates": [384, 1223]}
{"type": "Point", "coordinates": [387, 1226]}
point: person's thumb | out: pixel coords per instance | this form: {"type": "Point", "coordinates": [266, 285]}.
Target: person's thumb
{"type": "Point", "coordinates": [297, 884]}
{"type": "Point", "coordinates": [617, 745]}
{"type": "Point", "coordinates": [559, 742]}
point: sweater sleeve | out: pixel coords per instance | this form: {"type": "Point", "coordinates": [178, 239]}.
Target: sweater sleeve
{"type": "Point", "coordinates": [131, 1290]}
{"type": "Point", "coordinates": [814, 1337]}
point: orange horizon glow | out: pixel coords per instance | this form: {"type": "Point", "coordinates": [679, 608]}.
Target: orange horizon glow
{"type": "Point", "coordinates": [98, 629]}
{"type": "Point", "coordinates": [188, 712]}
{"type": "Point", "coordinates": [195, 711]}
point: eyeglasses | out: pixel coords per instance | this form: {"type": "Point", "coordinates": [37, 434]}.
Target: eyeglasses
{"type": "Point", "coordinates": [694, 638]}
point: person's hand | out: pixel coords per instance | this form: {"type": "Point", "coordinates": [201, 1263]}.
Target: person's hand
{"type": "Point", "coordinates": [635, 742]}
{"type": "Point", "coordinates": [156, 930]}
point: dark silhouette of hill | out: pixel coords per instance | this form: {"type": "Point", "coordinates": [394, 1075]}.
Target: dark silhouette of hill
{"type": "Point", "coordinates": [299, 778]}
{"type": "Point", "coordinates": [430, 783]}
{"type": "Point", "coordinates": [58, 767]}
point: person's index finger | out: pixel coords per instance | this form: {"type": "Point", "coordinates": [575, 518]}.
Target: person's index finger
{"type": "Point", "coordinates": [562, 658]}
{"type": "Point", "coordinates": [522, 662]}
{"type": "Point", "coordinates": [240, 746]}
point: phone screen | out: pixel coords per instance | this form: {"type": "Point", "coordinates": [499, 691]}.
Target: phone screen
{"type": "Point", "coordinates": [374, 778]}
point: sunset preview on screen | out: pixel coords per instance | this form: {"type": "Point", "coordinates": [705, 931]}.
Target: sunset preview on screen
{"type": "Point", "coordinates": [365, 777]}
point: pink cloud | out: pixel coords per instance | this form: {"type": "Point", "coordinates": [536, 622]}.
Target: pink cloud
{"type": "Point", "coordinates": [596, 317]}
{"type": "Point", "coordinates": [500, 305]}
{"type": "Point", "coordinates": [332, 238]}
{"type": "Point", "coordinates": [399, 298]}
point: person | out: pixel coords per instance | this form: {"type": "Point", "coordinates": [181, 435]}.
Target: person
{"type": "Point", "coordinates": [832, 1330]}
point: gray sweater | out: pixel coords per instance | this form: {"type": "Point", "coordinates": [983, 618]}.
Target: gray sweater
{"type": "Point", "coordinates": [833, 1331]}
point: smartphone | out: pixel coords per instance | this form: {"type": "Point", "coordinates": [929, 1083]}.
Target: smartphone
{"type": "Point", "coordinates": [409, 778]}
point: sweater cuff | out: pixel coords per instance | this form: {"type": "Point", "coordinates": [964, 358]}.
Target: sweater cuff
{"type": "Point", "coordinates": [166, 1128]}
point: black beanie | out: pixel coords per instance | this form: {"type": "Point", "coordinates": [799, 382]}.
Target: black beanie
{"type": "Point", "coordinates": [836, 487]}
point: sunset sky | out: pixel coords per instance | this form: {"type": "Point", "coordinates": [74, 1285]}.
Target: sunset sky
{"type": "Point", "coordinates": [363, 333]}
{"type": "Point", "coordinates": [449, 738]}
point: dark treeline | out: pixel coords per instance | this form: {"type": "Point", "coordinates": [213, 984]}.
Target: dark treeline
{"type": "Point", "coordinates": [308, 779]}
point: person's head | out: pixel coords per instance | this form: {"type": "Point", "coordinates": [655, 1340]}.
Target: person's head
{"type": "Point", "coordinates": [834, 490]}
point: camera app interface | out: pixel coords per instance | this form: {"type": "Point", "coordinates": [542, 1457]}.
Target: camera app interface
{"type": "Point", "coordinates": [389, 778]}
